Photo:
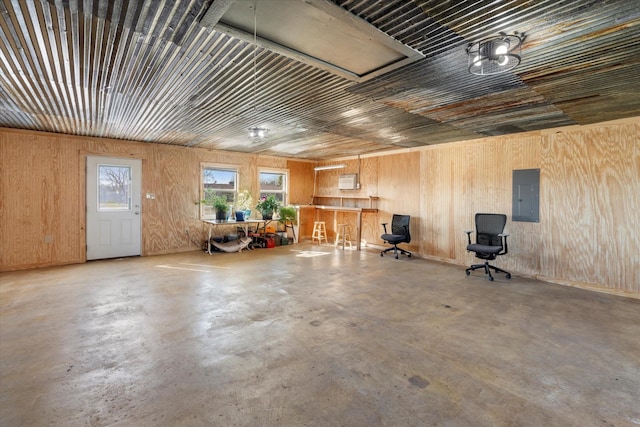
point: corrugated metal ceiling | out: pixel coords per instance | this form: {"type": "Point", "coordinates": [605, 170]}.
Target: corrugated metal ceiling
{"type": "Point", "coordinates": [155, 71]}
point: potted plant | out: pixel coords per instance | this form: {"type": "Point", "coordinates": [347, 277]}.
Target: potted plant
{"type": "Point", "coordinates": [244, 202]}
{"type": "Point", "coordinates": [221, 207]}
{"type": "Point", "coordinates": [267, 205]}
{"type": "Point", "coordinates": [288, 218]}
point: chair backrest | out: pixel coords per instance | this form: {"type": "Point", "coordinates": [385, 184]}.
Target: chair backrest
{"type": "Point", "coordinates": [488, 227]}
{"type": "Point", "coordinates": [400, 226]}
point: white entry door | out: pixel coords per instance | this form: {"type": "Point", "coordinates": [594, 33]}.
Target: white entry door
{"type": "Point", "coordinates": [113, 207]}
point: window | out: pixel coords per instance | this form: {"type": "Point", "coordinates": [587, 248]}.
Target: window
{"type": "Point", "coordinates": [274, 182]}
{"type": "Point", "coordinates": [217, 181]}
{"type": "Point", "coordinates": [114, 188]}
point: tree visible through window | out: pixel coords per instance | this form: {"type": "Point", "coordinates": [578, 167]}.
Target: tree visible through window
{"type": "Point", "coordinates": [274, 183]}
{"type": "Point", "coordinates": [217, 181]}
{"type": "Point", "coordinates": [114, 184]}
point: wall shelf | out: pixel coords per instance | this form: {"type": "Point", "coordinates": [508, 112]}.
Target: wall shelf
{"type": "Point", "coordinates": [367, 204]}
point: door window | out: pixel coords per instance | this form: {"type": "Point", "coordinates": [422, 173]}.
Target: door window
{"type": "Point", "coordinates": [114, 188]}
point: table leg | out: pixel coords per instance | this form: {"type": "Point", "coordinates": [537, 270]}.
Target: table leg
{"type": "Point", "coordinates": [209, 240]}
{"type": "Point", "coordinates": [295, 238]}
{"type": "Point", "coordinates": [335, 224]}
{"type": "Point", "coordinates": [358, 230]}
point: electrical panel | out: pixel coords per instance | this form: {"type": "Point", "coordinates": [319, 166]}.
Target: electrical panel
{"type": "Point", "coordinates": [526, 195]}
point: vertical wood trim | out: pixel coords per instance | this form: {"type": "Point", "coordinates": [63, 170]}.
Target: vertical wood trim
{"type": "Point", "coordinates": [82, 205]}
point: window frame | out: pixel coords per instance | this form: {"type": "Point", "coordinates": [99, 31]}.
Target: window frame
{"type": "Point", "coordinates": [207, 212]}
{"type": "Point", "coordinates": [278, 171]}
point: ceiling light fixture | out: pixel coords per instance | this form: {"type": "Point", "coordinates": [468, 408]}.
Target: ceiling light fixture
{"type": "Point", "coordinates": [495, 55]}
{"type": "Point", "coordinates": [256, 132]}
{"type": "Point", "coordinates": [328, 167]}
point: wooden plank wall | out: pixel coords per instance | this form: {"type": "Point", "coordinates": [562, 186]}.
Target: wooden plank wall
{"type": "Point", "coordinates": [589, 229]}
{"type": "Point", "coordinates": [42, 180]}
{"type": "Point", "coordinates": [465, 178]}
{"type": "Point", "coordinates": [589, 219]}
{"type": "Point", "coordinates": [591, 184]}
{"type": "Point", "coordinates": [40, 221]}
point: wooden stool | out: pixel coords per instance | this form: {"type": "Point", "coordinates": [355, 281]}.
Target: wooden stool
{"type": "Point", "coordinates": [343, 235]}
{"type": "Point", "coordinates": [319, 232]}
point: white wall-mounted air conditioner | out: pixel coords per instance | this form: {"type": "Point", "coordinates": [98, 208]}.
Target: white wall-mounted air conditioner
{"type": "Point", "coordinates": [348, 181]}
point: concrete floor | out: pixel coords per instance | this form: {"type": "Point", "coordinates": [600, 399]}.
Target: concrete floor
{"type": "Point", "coordinates": [310, 336]}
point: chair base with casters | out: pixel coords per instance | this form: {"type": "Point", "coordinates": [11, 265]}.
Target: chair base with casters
{"type": "Point", "coordinates": [399, 234]}
{"type": "Point", "coordinates": [487, 270]}
{"type": "Point", "coordinates": [396, 250]}
{"type": "Point", "coordinates": [491, 241]}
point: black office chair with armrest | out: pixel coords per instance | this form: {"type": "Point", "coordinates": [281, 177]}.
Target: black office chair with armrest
{"type": "Point", "coordinates": [490, 242]}
{"type": "Point", "coordinates": [399, 234]}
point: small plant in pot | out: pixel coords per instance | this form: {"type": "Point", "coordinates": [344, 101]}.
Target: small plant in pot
{"type": "Point", "coordinates": [244, 202]}
{"type": "Point", "coordinates": [221, 207]}
{"type": "Point", "coordinates": [289, 218]}
{"type": "Point", "coordinates": [267, 205]}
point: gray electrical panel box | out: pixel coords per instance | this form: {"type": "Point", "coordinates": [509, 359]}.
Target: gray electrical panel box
{"type": "Point", "coordinates": [526, 195]}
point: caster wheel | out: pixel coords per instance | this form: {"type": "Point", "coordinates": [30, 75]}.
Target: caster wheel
{"type": "Point", "coordinates": [381, 254]}
{"type": "Point", "coordinates": [508, 276]}
{"type": "Point", "coordinates": [468, 272]}
{"type": "Point", "coordinates": [396, 256]}
{"type": "Point", "coordinates": [409, 255]}
{"type": "Point", "coordinates": [491, 278]}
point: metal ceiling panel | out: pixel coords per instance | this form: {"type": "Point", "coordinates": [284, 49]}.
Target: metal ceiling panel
{"type": "Point", "coordinates": [159, 71]}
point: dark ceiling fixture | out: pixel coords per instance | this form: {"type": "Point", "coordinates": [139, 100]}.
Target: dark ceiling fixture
{"type": "Point", "coordinates": [495, 55]}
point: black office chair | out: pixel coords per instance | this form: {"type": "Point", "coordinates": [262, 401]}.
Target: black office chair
{"type": "Point", "coordinates": [490, 242]}
{"type": "Point", "coordinates": [399, 234]}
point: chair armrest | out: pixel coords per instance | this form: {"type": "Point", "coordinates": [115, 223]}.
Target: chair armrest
{"type": "Point", "coordinates": [468, 235]}
{"type": "Point", "coordinates": [384, 225]}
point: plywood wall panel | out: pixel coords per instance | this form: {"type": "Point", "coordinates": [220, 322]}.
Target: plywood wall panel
{"type": "Point", "coordinates": [368, 170]}
{"type": "Point", "coordinates": [42, 179]}
{"type": "Point", "coordinates": [371, 228]}
{"type": "Point", "coordinates": [524, 240]}
{"type": "Point", "coordinates": [450, 197]}
{"type": "Point", "coordinates": [592, 185]}
{"type": "Point", "coordinates": [399, 192]}
{"type": "Point", "coordinates": [300, 182]}
{"type": "Point", "coordinates": [174, 180]}
{"type": "Point", "coordinates": [39, 194]}
{"type": "Point", "coordinates": [305, 227]}
{"type": "Point", "coordinates": [589, 204]}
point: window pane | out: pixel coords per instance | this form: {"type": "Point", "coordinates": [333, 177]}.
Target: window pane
{"type": "Point", "coordinates": [272, 181]}
{"type": "Point", "coordinates": [274, 184]}
{"type": "Point", "coordinates": [114, 188]}
{"type": "Point", "coordinates": [217, 182]}
{"type": "Point", "coordinates": [219, 179]}
{"type": "Point", "coordinates": [279, 196]}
